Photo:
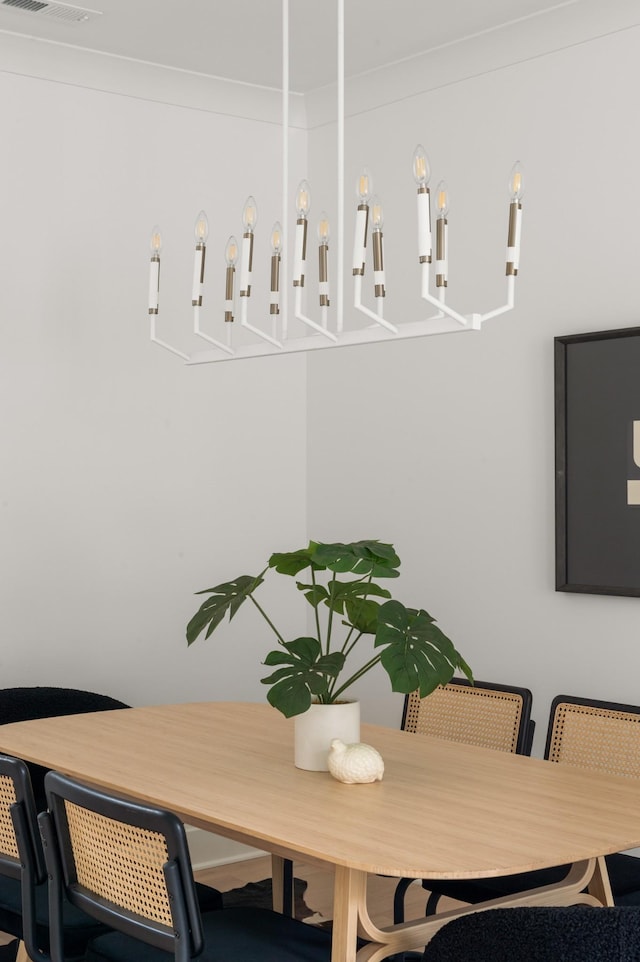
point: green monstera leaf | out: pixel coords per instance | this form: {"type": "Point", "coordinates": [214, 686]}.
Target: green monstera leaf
{"type": "Point", "coordinates": [304, 672]}
{"type": "Point", "coordinates": [224, 598]}
{"type": "Point", "coordinates": [360, 557]}
{"type": "Point", "coordinates": [417, 655]}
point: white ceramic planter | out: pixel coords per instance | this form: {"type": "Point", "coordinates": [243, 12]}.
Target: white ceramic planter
{"type": "Point", "coordinates": [315, 729]}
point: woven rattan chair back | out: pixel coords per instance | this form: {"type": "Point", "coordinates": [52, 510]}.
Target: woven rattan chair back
{"type": "Point", "coordinates": [484, 714]}
{"type": "Point", "coordinates": [597, 735]}
{"type": "Point", "coordinates": [19, 839]}
{"type": "Point", "coordinates": [123, 863]}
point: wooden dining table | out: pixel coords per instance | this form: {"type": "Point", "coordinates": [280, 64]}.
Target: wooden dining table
{"type": "Point", "coordinates": [443, 810]}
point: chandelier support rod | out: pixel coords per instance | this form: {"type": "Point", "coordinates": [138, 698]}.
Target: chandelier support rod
{"type": "Point", "coordinates": [285, 165]}
{"type": "Point", "coordinates": [340, 171]}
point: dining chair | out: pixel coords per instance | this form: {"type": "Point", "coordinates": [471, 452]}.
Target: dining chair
{"type": "Point", "coordinates": [23, 879]}
{"type": "Point", "coordinates": [127, 865]}
{"type": "Point", "coordinates": [577, 933]}
{"type": "Point", "coordinates": [591, 734]}
{"type": "Point", "coordinates": [24, 704]}
{"type": "Point", "coordinates": [486, 714]}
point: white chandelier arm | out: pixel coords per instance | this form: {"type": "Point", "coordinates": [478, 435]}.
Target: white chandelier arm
{"type": "Point", "coordinates": [359, 306]}
{"type": "Point", "coordinates": [207, 337]}
{"type": "Point", "coordinates": [307, 320]}
{"type": "Point", "coordinates": [156, 340]}
{"type": "Point", "coordinates": [511, 284]}
{"type": "Point", "coordinates": [244, 307]}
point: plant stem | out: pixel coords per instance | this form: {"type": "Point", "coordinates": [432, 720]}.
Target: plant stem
{"type": "Point", "coordinates": [268, 620]}
{"type": "Point", "coordinates": [358, 674]}
{"type": "Point", "coordinates": [315, 608]}
{"type": "Point", "coordinates": [332, 588]}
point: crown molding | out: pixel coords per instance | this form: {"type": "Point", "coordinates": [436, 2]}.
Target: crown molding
{"type": "Point", "coordinates": [63, 63]}
{"type": "Point", "coordinates": [567, 25]}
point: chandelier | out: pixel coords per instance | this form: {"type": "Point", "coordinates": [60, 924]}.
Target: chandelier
{"type": "Point", "coordinates": [271, 334]}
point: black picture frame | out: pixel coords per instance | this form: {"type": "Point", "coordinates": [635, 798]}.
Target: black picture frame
{"type": "Point", "coordinates": [597, 437]}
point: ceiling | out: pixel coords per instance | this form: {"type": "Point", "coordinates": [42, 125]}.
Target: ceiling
{"type": "Point", "coordinates": [241, 39]}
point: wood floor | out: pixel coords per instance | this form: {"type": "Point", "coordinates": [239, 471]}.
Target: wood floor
{"type": "Point", "coordinates": [319, 893]}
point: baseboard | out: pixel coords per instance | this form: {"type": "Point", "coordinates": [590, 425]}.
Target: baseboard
{"type": "Point", "coordinates": [208, 850]}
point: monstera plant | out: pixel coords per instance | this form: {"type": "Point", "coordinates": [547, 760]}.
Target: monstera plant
{"type": "Point", "coordinates": [341, 583]}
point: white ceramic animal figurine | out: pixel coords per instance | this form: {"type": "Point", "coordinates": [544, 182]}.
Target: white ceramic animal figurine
{"type": "Point", "coordinates": [355, 764]}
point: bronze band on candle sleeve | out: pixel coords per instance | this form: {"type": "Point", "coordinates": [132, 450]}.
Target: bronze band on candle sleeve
{"type": "Point", "coordinates": [378, 264]}
{"type": "Point", "coordinates": [514, 208]}
{"type": "Point", "coordinates": [441, 253]}
{"type": "Point", "coordinates": [322, 263]}
{"type": "Point", "coordinates": [203, 248]}
{"type": "Point", "coordinates": [275, 281]}
{"type": "Point", "coordinates": [228, 292]}
{"type": "Point", "coordinates": [299, 281]}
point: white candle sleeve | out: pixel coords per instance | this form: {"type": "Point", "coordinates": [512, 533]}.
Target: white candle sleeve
{"type": "Point", "coordinates": [360, 239]}
{"type": "Point", "coordinates": [442, 262]}
{"type": "Point", "coordinates": [154, 284]}
{"type": "Point", "coordinates": [299, 259]}
{"type": "Point", "coordinates": [245, 266]}
{"type": "Point", "coordinates": [198, 276]}
{"type": "Point", "coordinates": [378, 278]}
{"type": "Point", "coordinates": [424, 227]}
{"type": "Point", "coordinates": [513, 252]}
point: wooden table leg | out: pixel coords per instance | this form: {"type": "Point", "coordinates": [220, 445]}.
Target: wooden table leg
{"type": "Point", "coordinates": [600, 886]}
{"type": "Point", "coordinates": [349, 890]}
{"type": "Point", "coordinates": [282, 885]}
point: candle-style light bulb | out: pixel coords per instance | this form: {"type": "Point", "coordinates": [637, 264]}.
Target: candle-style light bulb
{"type": "Point", "coordinates": [154, 270]}
{"type": "Point", "coordinates": [201, 231]}
{"type": "Point", "coordinates": [231, 252]}
{"type": "Point", "coordinates": [377, 220]}
{"type": "Point", "coordinates": [276, 238]}
{"type": "Point", "coordinates": [421, 168]}
{"type": "Point", "coordinates": [515, 219]}
{"type": "Point", "coordinates": [230, 256]}
{"type": "Point", "coordinates": [442, 229]}
{"type": "Point", "coordinates": [303, 206]}
{"type": "Point", "coordinates": [364, 188]}
{"type": "Point", "coordinates": [442, 199]}
{"type": "Point", "coordinates": [422, 175]}
{"type": "Point", "coordinates": [276, 250]}
{"type": "Point", "coordinates": [249, 214]}
{"type": "Point", "coordinates": [323, 267]}
{"type": "Point", "coordinates": [303, 199]}
{"type": "Point", "coordinates": [516, 181]}
{"type": "Point", "coordinates": [156, 241]}
{"type": "Point", "coordinates": [249, 218]}
{"type": "Point", "coordinates": [323, 228]}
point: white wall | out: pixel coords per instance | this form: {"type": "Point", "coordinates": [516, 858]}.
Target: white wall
{"type": "Point", "coordinates": [129, 481]}
{"type": "Point", "coordinates": [444, 446]}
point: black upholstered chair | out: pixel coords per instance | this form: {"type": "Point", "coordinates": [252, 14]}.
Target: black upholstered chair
{"type": "Point", "coordinates": [575, 934]}
{"type": "Point", "coordinates": [590, 734]}
{"type": "Point", "coordinates": [23, 704]}
{"type": "Point", "coordinates": [128, 866]}
{"type": "Point", "coordinates": [485, 714]}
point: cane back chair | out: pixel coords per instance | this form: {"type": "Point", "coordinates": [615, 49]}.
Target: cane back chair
{"type": "Point", "coordinates": [127, 865]}
{"type": "Point", "coordinates": [485, 714]}
{"type": "Point", "coordinates": [590, 734]}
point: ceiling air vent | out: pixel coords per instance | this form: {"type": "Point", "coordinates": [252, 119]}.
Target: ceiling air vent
{"type": "Point", "coordinates": [57, 11]}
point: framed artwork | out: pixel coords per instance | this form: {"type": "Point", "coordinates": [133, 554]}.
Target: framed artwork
{"type": "Point", "coordinates": [597, 417]}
